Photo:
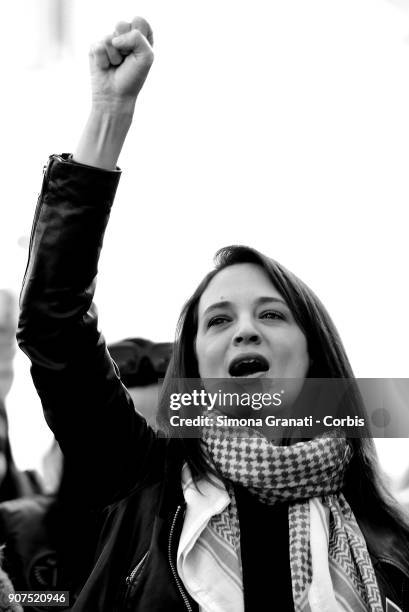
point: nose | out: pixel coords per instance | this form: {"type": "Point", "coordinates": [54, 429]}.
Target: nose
{"type": "Point", "coordinates": [246, 333]}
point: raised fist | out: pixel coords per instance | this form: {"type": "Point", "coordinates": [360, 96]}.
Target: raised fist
{"type": "Point", "coordinates": [120, 63]}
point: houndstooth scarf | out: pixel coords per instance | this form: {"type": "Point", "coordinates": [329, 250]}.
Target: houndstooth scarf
{"type": "Point", "coordinates": [330, 565]}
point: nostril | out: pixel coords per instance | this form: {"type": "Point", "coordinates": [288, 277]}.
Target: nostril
{"type": "Point", "coordinates": [254, 338]}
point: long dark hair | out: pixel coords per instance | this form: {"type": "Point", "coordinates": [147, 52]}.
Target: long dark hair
{"type": "Point", "coordinates": [365, 486]}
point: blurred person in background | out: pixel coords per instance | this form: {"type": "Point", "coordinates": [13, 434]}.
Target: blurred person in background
{"type": "Point", "coordinates": [197, 524]}
{"type": "Point", "coordinates": [8, 324]}
{"type": "Point", "coordinates": [13, 482]}
{"type": "Point", "coordinates": [142, 363]}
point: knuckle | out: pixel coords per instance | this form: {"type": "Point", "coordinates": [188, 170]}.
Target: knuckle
{"type": "Point", "coordinates": [139, 21]}
{"type": "Point", "coordinates": [141, 24]}
{"type": "Point", "coordinates": [122, 27]}
{"type": "Point", "coordinates": [137, 34]}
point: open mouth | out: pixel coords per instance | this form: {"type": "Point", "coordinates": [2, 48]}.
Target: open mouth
{"type": "Point", "coordinates": [248, 365]}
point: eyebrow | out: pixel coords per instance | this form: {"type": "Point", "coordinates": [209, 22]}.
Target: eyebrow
{"type": "Point", "coordinates": [259, 301]}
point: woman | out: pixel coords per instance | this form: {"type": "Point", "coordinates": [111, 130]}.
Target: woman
{"type": "Point", "coordinates": [187, 524]}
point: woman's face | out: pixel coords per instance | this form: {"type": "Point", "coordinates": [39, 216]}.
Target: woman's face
{"type": "Point", "coordinates": [245, 328]}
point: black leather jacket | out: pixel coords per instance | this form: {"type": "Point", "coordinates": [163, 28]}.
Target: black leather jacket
{"type": "Point", "coordinates": [123, 471]}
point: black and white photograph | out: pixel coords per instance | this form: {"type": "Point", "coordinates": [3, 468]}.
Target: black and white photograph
{"type": "Point", "coordinates": [204, 324]}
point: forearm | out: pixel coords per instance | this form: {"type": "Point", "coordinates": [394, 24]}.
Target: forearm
{"type": "Point", "coordinates": [103, 136]}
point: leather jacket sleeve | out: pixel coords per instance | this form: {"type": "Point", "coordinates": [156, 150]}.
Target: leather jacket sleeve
{"type": "Point", "coordinates": [106, 443]}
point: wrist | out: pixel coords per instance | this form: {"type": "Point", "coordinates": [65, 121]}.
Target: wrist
{"type": "Point", "coordinates": [110, 124]}
{"type": "Point", "coordinates": [117, 109]}
{"type": "Point", "coordinates": [103, 138]}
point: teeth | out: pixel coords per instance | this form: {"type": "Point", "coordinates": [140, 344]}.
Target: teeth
{"type": "Point", "coordinates": [248, 366]}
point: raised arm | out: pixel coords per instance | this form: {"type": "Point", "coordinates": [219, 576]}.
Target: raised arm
{"type": "Point", "coordinates": [119, 65]}
{"type": "Point", "coordinates": [107, 445]}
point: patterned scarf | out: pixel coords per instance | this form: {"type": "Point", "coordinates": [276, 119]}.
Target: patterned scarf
{"type": "Point", "coordinates": [330, 566]}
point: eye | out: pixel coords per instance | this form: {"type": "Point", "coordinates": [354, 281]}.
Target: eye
{"type": "Point", "coordinates": [219, 320]}
{"type": "Point", "coordinates": [272, 314]}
